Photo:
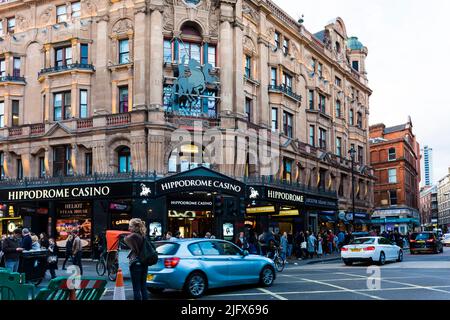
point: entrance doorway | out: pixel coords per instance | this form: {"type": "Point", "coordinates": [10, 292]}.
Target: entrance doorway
{"type": "Point", "coordinates": [191, 214]}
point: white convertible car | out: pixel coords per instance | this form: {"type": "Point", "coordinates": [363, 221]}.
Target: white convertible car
{"type": "Point", "coordinates": [371, 249]}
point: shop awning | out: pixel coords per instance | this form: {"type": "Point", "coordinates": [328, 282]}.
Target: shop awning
{"type": "Point", "coordinates": [362, 221]}
{"type": "Point", "coordinates": [396, 221]}
{"type": "Point", "coordinates": [325, 218]}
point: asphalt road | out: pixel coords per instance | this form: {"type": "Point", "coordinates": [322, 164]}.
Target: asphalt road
{"type": "Point", "coordinates": [418, 277]}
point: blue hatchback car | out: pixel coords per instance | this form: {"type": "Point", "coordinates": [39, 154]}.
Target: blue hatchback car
{"type": "Point", "coordinates": [195, 265]}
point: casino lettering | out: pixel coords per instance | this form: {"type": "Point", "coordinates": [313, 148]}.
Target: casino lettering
{"type": "Point", "coordinates": [58, 193]}
{"type": "Point", "coordinates": [200, 183]}
{"type": "Point", "coordinates": [277, 195]}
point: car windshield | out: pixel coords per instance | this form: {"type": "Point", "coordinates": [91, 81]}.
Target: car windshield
{"type": "Point", "coordinates": [363, 241]}
{"type": "Point", "coordinates": [166, 248]}
{"type": "Point", "coordinates": [421, 236]}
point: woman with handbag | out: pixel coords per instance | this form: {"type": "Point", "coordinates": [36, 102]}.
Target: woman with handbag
{"type": "Point", "coordinates": [52, 259]}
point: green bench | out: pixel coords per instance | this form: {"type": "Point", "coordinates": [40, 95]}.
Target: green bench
{"type": "Point", "coordinates": [13, 287]}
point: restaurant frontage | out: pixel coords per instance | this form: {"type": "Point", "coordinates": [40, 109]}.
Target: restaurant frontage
{"type": "Point", "coordinates": [193, 202]}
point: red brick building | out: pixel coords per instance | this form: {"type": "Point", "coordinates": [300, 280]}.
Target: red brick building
{"type": "Point", "coordinates": [395, 157]}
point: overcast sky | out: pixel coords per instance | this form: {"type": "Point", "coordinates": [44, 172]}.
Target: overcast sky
{"type": "Point", "coordinates": [408, 63]}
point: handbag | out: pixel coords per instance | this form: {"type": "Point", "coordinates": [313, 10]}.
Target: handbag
{"type": "Point", "coordinates": [303, 245]}
{"type": "Point", "coordinates": [52, 259]}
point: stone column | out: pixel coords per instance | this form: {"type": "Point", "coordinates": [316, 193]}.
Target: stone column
{"type": "Point", "coordinates": [73, 158]}
{"type": "Point", "coordinates": [263, 107]}
{"type": "Point", "coordinates": [75, 51]}
{"type": "Point", "coordinates": [226, 68]}
{"type": "Point", "coordinates": [9, 63]}
{"type": "Point", "coordinates": [74, 96]}
{"type": "Point", "coordinates": [238, 26]}
{"type": "Point", "coordinates": [48, 97]}
{"type": "Point", "coordinates": [103, 96]}
{"type": "Point", "coordinates": [114, 106]}
{"type": "Point", "coordinates": [140, 45]}
{"type": "Point", "coordinates": [7, 115]}
{"type": "Point", "coordinates": [156, 57]}
{"type": "Point", "coordinates": [47, 61]}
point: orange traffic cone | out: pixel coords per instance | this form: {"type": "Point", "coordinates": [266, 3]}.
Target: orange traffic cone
{"type": "Point", "coordinates": [119, 289]}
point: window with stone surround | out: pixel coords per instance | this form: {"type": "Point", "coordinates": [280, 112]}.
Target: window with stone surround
{"type": "Point", "coordinates": [63, 56]}
{"type": "Point", "coordinates": [61, 13]}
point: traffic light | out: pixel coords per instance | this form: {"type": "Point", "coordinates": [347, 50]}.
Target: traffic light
{"type": "Point", "coordinates": [242, 207]}
{"type": "Point", "coordinates": [218, 205]}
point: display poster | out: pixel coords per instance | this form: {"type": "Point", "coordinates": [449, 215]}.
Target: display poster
{"type": "Point", "coordinates": [74, 216]}
{"type": "Point", "coordinates": [228, 230]}
{"type": "Point", "coordinates": [155, 229]}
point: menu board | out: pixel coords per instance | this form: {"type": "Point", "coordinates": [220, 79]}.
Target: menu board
{"type": "Point", "coordinates": [74, 216]}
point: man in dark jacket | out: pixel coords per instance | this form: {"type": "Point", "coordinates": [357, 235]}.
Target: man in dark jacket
{"type": "Point", "coordinates": [12, 249]}
{"type": "Point", "coordinates": [27, 243]}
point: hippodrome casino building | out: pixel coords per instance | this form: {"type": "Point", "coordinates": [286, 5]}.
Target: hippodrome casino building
{"type": "Point", "coordinates": [91, 95]}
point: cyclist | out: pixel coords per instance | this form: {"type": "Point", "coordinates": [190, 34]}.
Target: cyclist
{"type": "Point", "coordinates": [272, 245]}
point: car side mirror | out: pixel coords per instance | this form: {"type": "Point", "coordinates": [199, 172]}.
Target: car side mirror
{"type": "Point", "coordinates": [245, 253]}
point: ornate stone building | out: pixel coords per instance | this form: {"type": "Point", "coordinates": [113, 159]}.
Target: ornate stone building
{"type": "Point", "coordinates": [99, 87]}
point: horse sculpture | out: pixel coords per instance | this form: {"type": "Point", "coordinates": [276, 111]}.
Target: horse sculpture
{"type": "Point", "coordinates": [193, 85]}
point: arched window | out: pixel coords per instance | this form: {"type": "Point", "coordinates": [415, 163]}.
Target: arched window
{"type": "Point", "coordinates": [190, 46]}
{"type": "Point", "coordinates": [187, 157]}
{"type": "Point", "coordinates": [124, 160]}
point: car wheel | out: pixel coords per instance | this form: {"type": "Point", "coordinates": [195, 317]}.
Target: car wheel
{"type": "Point", "coordinates": [267, 276]}
{"type": "Point", "coordinates": [348, 263]}
{"type": "Point", "coordinates": [400, 256]}
{"type": "Point", "coordinates": [382, 260]}
{"type": "Point", "coordinates": [155, 290]}
{"type": "Point", "coordinates": [195, 285]}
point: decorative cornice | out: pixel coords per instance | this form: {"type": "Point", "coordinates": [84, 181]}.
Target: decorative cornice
{"type": "Point", "coordinates": [156, 7]}
{"type": "Point", "coordinates": [142, 9]}
{"type": "Point", "coordinates": [104, 17]}
{"type": "Point", "coordinates": [238, 24]}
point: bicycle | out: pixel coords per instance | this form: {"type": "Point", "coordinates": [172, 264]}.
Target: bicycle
{"type": "Point", "coordinates": [279, 262]}
{"type": "Point", "coordinates": [100, 266]}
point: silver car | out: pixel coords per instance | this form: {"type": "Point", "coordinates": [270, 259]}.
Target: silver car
{"type": "Point", "coordinates": [195, 265]}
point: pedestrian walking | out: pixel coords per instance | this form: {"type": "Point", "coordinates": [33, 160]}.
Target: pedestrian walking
{"type": "Point", "coordinates": [263, 243]}
{"type": "Point", "coordinates": [241, 241]}
{"type": "Point", "coordinates": [253, 243]}
{"type": "Point", "coordinates": [27, 242]}
{"type": "Point", "coordinates": [68, 253]}
{"type": "Point", "coordinates": [35, 245]}
{"type": "Point", "coordinates": [330, 241]}
{"type": "Point", "coordinates": [341, 239]}
{"type": "Point", "coordinates": [11, 248]}
{"type": "Point", "coordinates": [44, 241]}
{"type": "Point", "coordinates": [319, 246]}
{"type": "Point", "coordinates": [169, 235]}
{"type": "Point", "coordinates": [52, 260]}
{"type": "Point", "coordinates": [284, 246]}
{"type": "Point", "coordinates": [311, 244]}
{"type": "Point", "coordinates": [77, 250]}
{"type": "Point", "coordinates": [290, 245]}
{"type": "Point", "coordinates": [138, 270]}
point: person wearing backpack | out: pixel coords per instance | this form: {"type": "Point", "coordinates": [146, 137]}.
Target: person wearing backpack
{"type": "Point", "coordinates": [138, 267]}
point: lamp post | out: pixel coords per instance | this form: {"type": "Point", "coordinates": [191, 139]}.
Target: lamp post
{"type": "Point", "coordinates": [352, 153]}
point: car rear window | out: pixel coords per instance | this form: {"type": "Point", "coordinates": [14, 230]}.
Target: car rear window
{"type": "Point", "coordinates": [422, 236]}
{"type": "Point", "coordinates": [167, 248]}
{"type": "Point", "coordinates": [363, 241]}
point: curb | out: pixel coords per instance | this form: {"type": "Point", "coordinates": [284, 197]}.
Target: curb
{"type": "Point", "coordinates": [323, 260]}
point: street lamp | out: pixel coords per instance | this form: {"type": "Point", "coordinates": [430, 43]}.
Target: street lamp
{"type": "Point", "coordinates": [352, 153]}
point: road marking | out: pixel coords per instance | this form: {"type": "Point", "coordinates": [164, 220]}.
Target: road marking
{"type": "Point", "coordinates": [272, 294]}
{"type": "Point", "coordinates": [342, 288]}
{"type": "Point", "coordinates": [403, 284]}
